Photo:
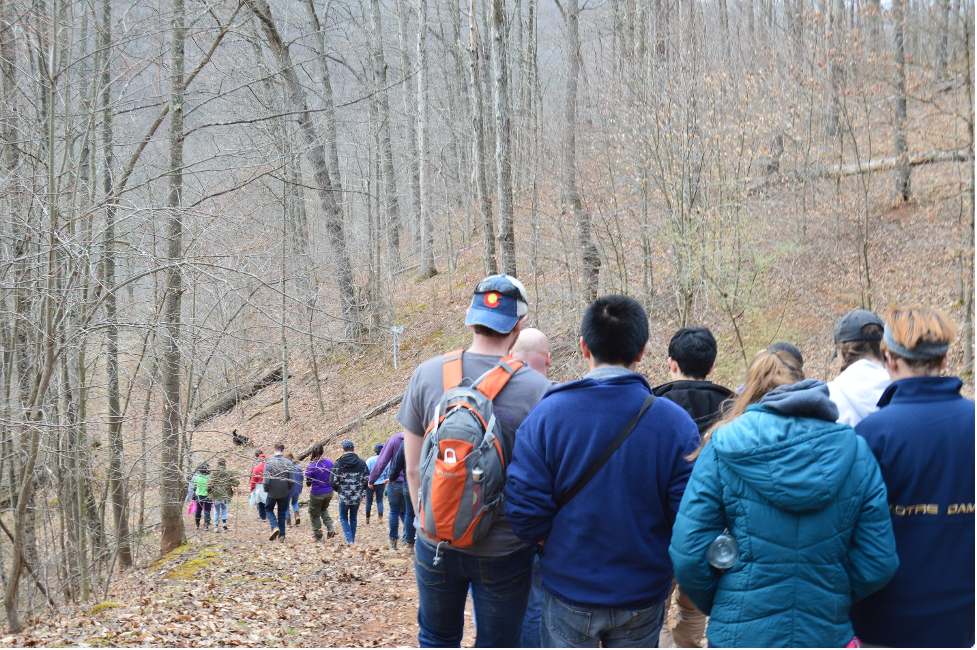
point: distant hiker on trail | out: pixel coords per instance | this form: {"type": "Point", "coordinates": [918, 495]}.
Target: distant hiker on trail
{"type": "Point", "coordinates": [375, 490]}
{"type": "Point", "coordinates": [497, 313]}
{"type": "Point", "coordinates": [221, 488]}
{"type": "Point", "coordinates": [198, 493]}
{"type": "Point", "coordinates": [400, 510]}
{"type": "Point", "coordinates": [784, 523]}
{"type": "Point", "coordinates": [856, 391]}
{"type": "Point", "coordinates": [349, 479]}
{"type": "Point", "coordinates": [317, 479]}
{"type": "Point", "coordinates": [257, 490]}
{"type": "Point", "coordinates": [277, 482]}
{"type": "Point", "coordinates": [295, 492]}
{"type": "Point", "coordinates": [691, 358]}
{"type": "Point", "coordinates": [560, 492]}
{"type": "Point", "coordinates": [533, 347]}
{"type": "Point", "coordinates": [923, 438]}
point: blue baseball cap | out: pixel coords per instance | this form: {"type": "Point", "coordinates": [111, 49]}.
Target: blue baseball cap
{"type": "Point", "coordinates": [348, 445]}
{"type": "Point", "coordinates": [498, 303]}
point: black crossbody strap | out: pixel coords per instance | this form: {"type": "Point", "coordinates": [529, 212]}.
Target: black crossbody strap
{"type": "Point", "coordinates": [606, 454]}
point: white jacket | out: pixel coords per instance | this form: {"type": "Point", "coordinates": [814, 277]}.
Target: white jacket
{"type": "Point", "coordinates": [857, 390]}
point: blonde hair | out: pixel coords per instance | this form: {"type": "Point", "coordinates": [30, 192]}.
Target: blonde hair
{"type": "Point", "coordinates": [767, 371]}
{"type": "Point", "coordinates": [914, 326]}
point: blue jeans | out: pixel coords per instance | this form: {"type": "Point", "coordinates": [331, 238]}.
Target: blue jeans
{"type": "Point", "coordinates": [347, 519]}
{"type": "Point", "coordinates": [401, 510]}
{"type": "Point", "coordinates": [376, 492]}
{"type": "Point", "coordinates": [534, 611]}
{"type": "Point", "coordinates": [262, 511]}
{"type": "Point", "coordinates": [279, 521]}
{"type": "Point", "coordinates": [500, 589]}
{"type": "Point", "coordinates": [220, 511]}
{"type": "Point", "coordinates": [295, 504]}
{"type": "Point", "coordinates": [579, 626]}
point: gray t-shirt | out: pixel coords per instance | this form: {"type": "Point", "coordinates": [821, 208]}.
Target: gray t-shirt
{"type": "Point", "coordinates": [512, 405]}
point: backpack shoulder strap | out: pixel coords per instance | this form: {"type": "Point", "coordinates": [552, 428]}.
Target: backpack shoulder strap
{"type": "Point", "coordinates": [606, 454]}
{"type": "Point", "coordinates": [491, 383]}
{"type": "Point", "coordinates": [451, 369]}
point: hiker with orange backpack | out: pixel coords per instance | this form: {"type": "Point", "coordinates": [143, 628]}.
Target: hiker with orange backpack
{"type": "Point", "coordinates": [470, 403]}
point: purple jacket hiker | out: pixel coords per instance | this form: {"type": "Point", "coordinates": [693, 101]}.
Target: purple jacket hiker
{"type": "Point", "coordinates": [318, 476]}
{"type": "Point", "coordinates": [387, 455]}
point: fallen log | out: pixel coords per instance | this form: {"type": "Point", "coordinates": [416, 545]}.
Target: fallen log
{"type": "Point", "coordinates": [891, 162]}
{"type": "Point", "coordinates": [233, 396]}
{"type": "Point", "coordinates": [393, 401]}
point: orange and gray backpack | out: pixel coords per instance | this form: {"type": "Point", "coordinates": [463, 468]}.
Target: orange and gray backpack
{"type": "Point", "coordinates": [463, 459]}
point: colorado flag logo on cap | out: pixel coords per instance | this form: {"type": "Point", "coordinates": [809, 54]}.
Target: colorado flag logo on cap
{"type": "Point", "coordinates": [491, 299]}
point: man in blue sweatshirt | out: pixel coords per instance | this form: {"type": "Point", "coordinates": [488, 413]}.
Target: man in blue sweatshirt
{"type": "Point", "coordinates": [604, 563]}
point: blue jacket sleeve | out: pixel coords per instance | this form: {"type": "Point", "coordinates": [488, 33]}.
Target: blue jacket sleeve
{"type": "Point", "coordinates": [701, 517]}
{"type": "Point", "coordinates": [872, 559]}
{"type": "Point", "coordinates": [530, 504]}
{"type": "Point", "coordinates": [680, 470]}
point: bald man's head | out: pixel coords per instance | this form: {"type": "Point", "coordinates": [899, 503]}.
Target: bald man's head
{"type": "Point", "coordinates": [533, 347]}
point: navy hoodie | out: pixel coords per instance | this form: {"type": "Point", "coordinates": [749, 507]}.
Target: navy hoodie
{"type": "Point", "coordinates": [923, 438]}
{"type": "Point", "coordinates": [608, 547]}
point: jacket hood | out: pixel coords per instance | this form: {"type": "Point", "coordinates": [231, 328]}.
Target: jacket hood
{"type": "Point", "coordinates": [789, 448]}
{"type": "Point", "coordinates": [348, 460]}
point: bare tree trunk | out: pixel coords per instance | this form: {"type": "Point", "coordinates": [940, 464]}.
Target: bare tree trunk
{"type": "Point", "coordinates": [427, 268]}
{"type": "Point", "coordinates": [478, 145]}
{"type": "Point", "coordinates": [329, 108]}
{"type": "Point", "coordinates": [503, 161]}
{"type": "Point", "coordinates": [941, 65]}
{"type": "Point", "coordinates": [171, 479]}
{"type": "Point", "coordinates": [969, 208]}
{"type": "Point", "coordinates": [836, 66]}
{"type": "Point", "coordinates": [391, 205]}
{"type": "Point", "coordinates": [410, 117]}
{"type": "Point", "coordinates": [590, 256]}
{"type": "Point", "coordinates": [903, 187]}
{"type": "Point", "coordinates": [325, 189]}
{"type": "Point", "coordinates": [117, 478]}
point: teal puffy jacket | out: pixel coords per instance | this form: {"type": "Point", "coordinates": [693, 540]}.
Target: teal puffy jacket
{"type": "Point", "coordinates": [804, 498]}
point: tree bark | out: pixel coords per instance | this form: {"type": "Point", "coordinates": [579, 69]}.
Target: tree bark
{"type": "Point", "coordinates": [590, 256]}
{"type": "Point", "coordinates": [903, 183]}
{"type": "Point", "coordinates": [478, 145]}
{"type": "Point", "coordinates": [427, 268]}
{"type": "Point", "coordinates": [326, 190]}
{"type": "Point", "coordinates": [391, 204]}
{"type": "Point", "coordinates": [503, 161]}
{"type": "Point", "coordinates": [117, 477]}
{"type": "Point", "coordinates": [410, 118]}
{"type": "Point", "coordinates": [171, 480]}
{"type": "Point", "coordinates": [941, 64]}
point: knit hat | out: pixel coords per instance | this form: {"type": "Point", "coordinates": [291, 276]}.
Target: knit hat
{"type": "Point", "coordinates": [850, 327]}
{"type": "Point", "coordinates": [498, 303]}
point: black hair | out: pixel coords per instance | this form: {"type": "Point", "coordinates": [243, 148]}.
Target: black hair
{"type": "Point", "coordinates": [615, 329]}
{"type": "Point", "coordinates": [694, 350]}
{"type": "Point", "coordinates": [789, 349]}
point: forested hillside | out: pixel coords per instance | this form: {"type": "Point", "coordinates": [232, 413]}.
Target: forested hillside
{"type": "Point", "coordinates": [262, 214]}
